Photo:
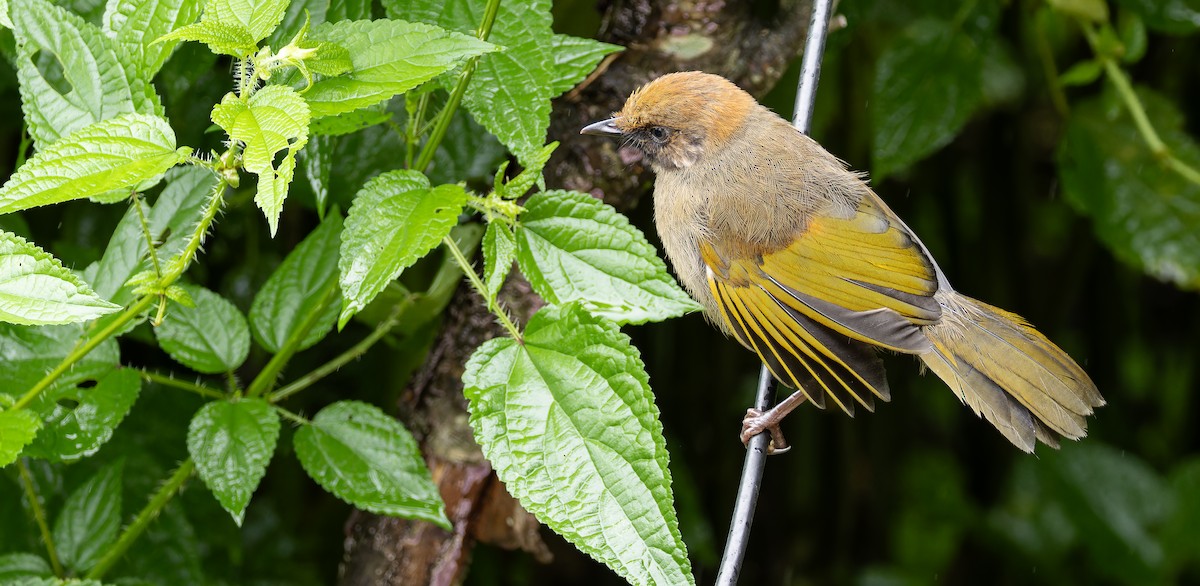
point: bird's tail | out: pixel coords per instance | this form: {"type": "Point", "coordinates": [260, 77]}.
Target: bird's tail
{"type": "Point", "coordinates": [1009, 373]}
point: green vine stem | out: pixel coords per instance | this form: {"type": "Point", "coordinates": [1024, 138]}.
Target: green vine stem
{"type": "Point", "coordinates": [167, 381]}
{"type": "Point", "coordinates": [464, 78]}
{"type": "Point", "coordinates": [81, 350]}
{"type": "Point", "coordinates": [469, 270]}
{"type": "Point", "coordinates": [1121, 82]}
{"type": "Point", "coordinates": [342, 359]}
{"type": "Point", "coordinates": [144, 517]}
{"type": "Point", "coordinates": [266, 378]}
{"type": "Point", "coordinates": [39, 516]}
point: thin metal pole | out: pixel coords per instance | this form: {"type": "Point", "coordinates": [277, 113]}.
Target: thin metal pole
{"type": "Point", "coordinates": [756, 451]}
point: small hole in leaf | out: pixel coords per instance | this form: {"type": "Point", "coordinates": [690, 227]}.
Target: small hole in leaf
{"type": "Point", "coordinates": [87, 384]}
{"type": "Point", "coordinates": [67, 403]}
{"type": "Point", "coordinates": [277, 159]}
{"type": "Point", "coordinates": [51, 68]}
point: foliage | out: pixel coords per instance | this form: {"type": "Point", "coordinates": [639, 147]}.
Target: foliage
{"type": "Point", "coordinates": [174, 335]}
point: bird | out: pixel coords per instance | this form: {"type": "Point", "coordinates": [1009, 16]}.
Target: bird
{"type": "Point", "coordinates": [793, 254]}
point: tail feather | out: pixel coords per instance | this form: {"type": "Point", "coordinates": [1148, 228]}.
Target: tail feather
{"type": "Point", "coordinates": [1009, 373]}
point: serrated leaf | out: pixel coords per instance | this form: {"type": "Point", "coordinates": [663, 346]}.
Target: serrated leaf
{"type": "Point", "coordinates": [350, 122]}
{"type": "Point", "coordinates": [571, 246]}
{"type": "Point", "coordinates": [221, 38]}
{"type": "Point", "coordinates": [14, 566]}
{"type": "Point", "coordinates": [927, 85]}
{"type": "Point", "coordinates": [389, 57]}
{"type": "Point", "coordinates": [396, 219]}
{"type": "Point", "coordinates": [80, 415]}
{"type": "Point", "coordinates": [297, 288]}
{"type": "Point", "coordinates": [232, 442]}
{"type": "Point", "coordinates": [113, 154]}
{"type": "Point", "coordinates": [138, 23]}
{"type": "Point", "coordinates": [274, 119]}
{"type": "Point", "coordinates": [567, 419]}
{"type": "Point", "coordinates": [17, 429]}
{"type": "Point", "coordinates": [172, 220]}
{"type": "Point", "coordinates": [233, 27]}
{"type": "Point", "coordinates": [36, 289]}
{"type": "Point", "coordinates": [1176, 17]}
{"type": "Point", "coordinates": [531, 174]}
{"type": "Point", "coordinates": [499, 253]}
{"type": "Point", "coordinates": [211, 338]}
{"type": "Point", "coordinates": [467, 153]}
{"type": "Point", "coordinates": [103, 80]}
{"type": "Point", "coordinates": [317, 157]}
{"type": "Point", "coordinates": [1141, 209]}
{"type": "Point", "coordinates": [89, 520]}
{"type": "Point", "coordinates": [510, 91]}
{"type": "Point", "coordinates": [28, 353]}
{"type": "Point", "coordinates": [368, 459]}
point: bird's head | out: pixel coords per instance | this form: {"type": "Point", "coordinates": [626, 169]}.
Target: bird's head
{"type": "Point", "coordinates": [678, 118]}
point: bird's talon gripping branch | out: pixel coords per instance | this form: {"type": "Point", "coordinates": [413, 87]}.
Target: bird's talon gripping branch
{"type": "Point", "coordinates": [758, 421]}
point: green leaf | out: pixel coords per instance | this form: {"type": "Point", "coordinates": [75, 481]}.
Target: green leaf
{"type": "Point", "coordinates": [1082, 73]}
{"type": "Point", "coordinates": [531, 174]}
{"type": "Point", "coordinates": [233, 27]}
{"type": "Point", "coordinates": [211, 337]}
{"type": "Point", "coordinates": [1132, 32]}
{"type": "Point", "coordinates": [275, 118]}
{"type": "Point", "coordinates": [1089, 10]}
{"type": "Point", "coordinates": [317, 158]}
{"type": "Point", "coordinates": [232, 442]}
{"type": "Point", "coordinates": [172, 220]}
{"type": "Point", "coordinates": [297, 288]}
{"type": "Point", "coordinates": [82, 410]}
{"type": "Point", "coordinates": [567, 419]}
{"type": "Point", "coordinates": [927, 85]}
{"type": "Point", "coordinates": [349, 122]}
{"type": "Point", "coordinates": [571, 246]}
{"type": "Point", "coordinates": [23, 565]}
{"type": "Point", "coordinates": [1176, 17]}
{"type": "Point", "coordinates": [1141, 209]}
{"type": "Point", "coordinates": [36, 289]}
{"type": "Point", "coordinates": [118, 153]}
{"type": "Point", "coordinates": [89, 520]}
{"type": "Point", "coordinates": [1181, 534]}
{"type": "Point", "coordinates": [366, 458]}
{"type": "Point", "coordinates": [468, 152]}
{"type": "Point", "coordinates": [17, 429]}
{"type": "Point", "coordinates": [57, 49]}
{"type": "Point", "coordinates": [396, 219]}
{"type": "Point", "coordinates": [510, 91]}
{"type": "Point", "coordinates": [390, 57]}
{"type": "Point", "coordinates": [499, 252]}
{"type": "Point", "coordinates": [138, 23]}
{"type": "Point", "coordinates": [221, 38]}
{"type": "Point", "coordinates": [28, 353]}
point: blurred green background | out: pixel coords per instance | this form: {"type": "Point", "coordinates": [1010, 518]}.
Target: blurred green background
{"type": "Point", "coordinates": [1034, 191]}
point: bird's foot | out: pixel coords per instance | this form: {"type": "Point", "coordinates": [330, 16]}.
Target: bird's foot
{"type": "Point", "coordinates": [757, 421]}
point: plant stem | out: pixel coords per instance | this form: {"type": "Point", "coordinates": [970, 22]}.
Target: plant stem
{"type": "Point", "coordinates": [180, 262]}
{"type": "Point", "coordinates": [266, 378]}
{"type": "Point", "coordinates": [143, 519]}
{"type": "Point", "coordinates": [137, 203]}
{"type": "Point", "coordinates": [80, 351]}
{"type": "Point", "coordinates": [469, 270]}
{"type": "Point", "coordinates": [39, 516]}
{"type": "Point", "coordinates": [464, 78]}
{"type": "Point", "coordinates": [168, 381]}
{"type": "Point", "coordinates": [342, 359]}
{"type": "Point", "coordinates": [1121, 82]}
{"type": "Point", "coordinates": [291, 416]}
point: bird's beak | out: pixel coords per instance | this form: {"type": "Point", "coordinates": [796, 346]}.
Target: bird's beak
{"type": "Point", "coordinates": [602, 128]}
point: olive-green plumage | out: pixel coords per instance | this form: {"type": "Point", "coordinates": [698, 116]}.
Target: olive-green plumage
{"type": "Point", "coordinates": [797, 258]}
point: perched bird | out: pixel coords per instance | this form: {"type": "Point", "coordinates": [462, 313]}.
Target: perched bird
{"type": "Point", "coordinates": [796, 257]}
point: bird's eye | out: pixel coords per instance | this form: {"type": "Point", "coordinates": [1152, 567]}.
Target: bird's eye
{"type": "Point", "coordinates": [658, 133]}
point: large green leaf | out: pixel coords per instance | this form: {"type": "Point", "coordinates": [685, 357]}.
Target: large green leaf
{"type": "Point", "coordinates": [36, 289]}
{"type": "Point", "coordinates": [927, 85]}
{"type": "Point", "coordinates": [396, 219]}
{"type": "Point", "coordinates": [510, 92]}
{"type": "Point", "coordinates": [138, 23]}
{"type": "Point", "coordinates": [28, 353]}
{"type": "Point", "coordinates": [89, 520]}
{"type": "Point", "coordinates": [233, 27]}
{"type": "Point", "coordinates": [571, 246]}
{"type": "Point", "coordinates": [297, 288]}
{"type": "Point", "coordinates": [211, 337]}
{"type": "Point", "coordinates": [368, 459]}
{"type": "Point", "coordinates": [232, 442]}
{"type": "Point", "coordinates": [17, 429]}
{"type": "Point", "coordinates": [567, 419]}
{"type": "Point", "coordinates": [272, 120]}
{"type": "Point", "coordinates": [23, 565]}
{"type": "Point", "coordinates": [117, 153]}
{"type": "Point", "coordinates": [58, 49]}
{"type": "Point", "coordinates": [1144, 211]}
{"type": "Point", "coordinates": [390, 57]}
{"type": "Point", "coordinates": [499, 253]}
{"type": "Point", "coordinates": [81, 411]}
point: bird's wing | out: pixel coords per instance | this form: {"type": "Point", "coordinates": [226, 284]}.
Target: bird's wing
{"type": "Point", "coordinates": [812, 311]}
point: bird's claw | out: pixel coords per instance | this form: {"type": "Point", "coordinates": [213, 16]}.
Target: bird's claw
{"type": "Point", "coordinates": [757, 422]}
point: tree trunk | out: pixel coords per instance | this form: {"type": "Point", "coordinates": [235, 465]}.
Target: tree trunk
{"type": "Point", "coordinates": [733, 39]}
